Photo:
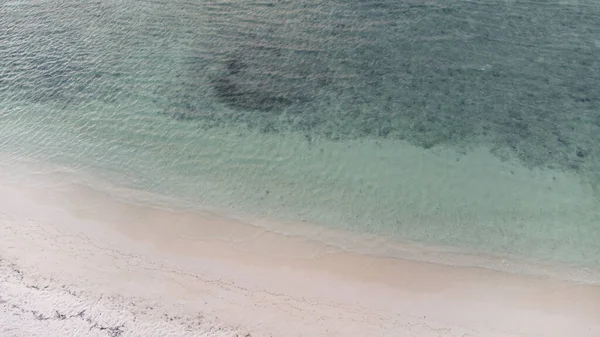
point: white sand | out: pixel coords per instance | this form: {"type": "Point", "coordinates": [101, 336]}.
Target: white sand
{"type": "Point", "coordinates": [77, 262]}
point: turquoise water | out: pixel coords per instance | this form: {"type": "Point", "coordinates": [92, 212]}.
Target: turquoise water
{"type": "Point", "coordinates": [468, 124]}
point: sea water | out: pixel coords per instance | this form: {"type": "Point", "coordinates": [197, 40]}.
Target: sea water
{"type": "Point", "coordinates": [472, 125]}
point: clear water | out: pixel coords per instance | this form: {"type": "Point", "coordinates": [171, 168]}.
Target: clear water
{"type": "Point", "coordinates": [469, 124]}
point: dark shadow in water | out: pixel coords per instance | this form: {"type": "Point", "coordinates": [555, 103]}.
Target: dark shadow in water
{"type": "Point", "coordinates": [241, 85]}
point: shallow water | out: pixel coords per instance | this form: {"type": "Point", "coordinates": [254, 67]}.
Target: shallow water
{"type": "Point", "coordinates": [472, 125]}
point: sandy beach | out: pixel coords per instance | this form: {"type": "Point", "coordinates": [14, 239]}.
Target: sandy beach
{"type": "Point", "coordinates": [79, 262]}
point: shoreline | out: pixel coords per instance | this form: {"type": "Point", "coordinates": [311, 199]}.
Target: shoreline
{"type": "Point", "coordinates": [250, 279]}
{"type": "Point", "coordinates": [78, 189]}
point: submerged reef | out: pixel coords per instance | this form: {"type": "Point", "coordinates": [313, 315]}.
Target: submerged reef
{"type": "Point", "coordinates": [518, 78]}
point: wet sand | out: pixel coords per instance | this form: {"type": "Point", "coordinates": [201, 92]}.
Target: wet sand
{"type": "Point", "coordinates": [78, 261]}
